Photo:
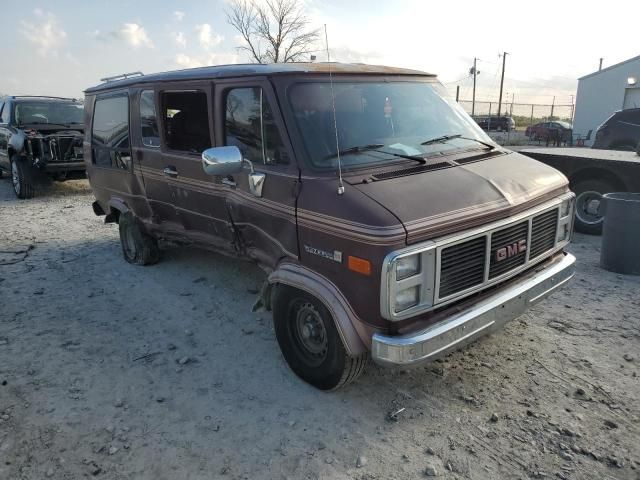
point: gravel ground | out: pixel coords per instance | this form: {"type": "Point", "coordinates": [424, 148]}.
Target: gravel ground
{"type": "Point", "coordinates": [119, 372]}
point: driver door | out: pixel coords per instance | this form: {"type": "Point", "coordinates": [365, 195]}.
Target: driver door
{"type": "Point", "coordinates": [264, 218]}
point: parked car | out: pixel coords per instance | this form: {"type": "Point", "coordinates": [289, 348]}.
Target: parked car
{"type": "Point", "coordinates": [499, 124]}
{"type": "Point", "coordinates": [621, 131]}
{"type": "Point", "coordinates": [40, 139]}
{"type": "Point", "coordinates": [560, 130]}
{"type": "Point", "coordinates": [592, 173]}
{"type": "Point", "coordinates": [390, 226]}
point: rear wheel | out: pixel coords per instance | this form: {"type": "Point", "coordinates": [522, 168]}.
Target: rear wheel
{"type": "Point", "coordinates": [20, 178]}
{"type": "Point", "coordinates": [138, 247]}
{"type": "Point", "coordinates": [588, 205]}
{"type": "Point", "coordinates": [310, 342]}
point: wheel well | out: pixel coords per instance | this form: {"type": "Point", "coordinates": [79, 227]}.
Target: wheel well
{"type": "Point", "coordinates": [113, 216]}
{"type": "Point", "coordinates": [597, 174]}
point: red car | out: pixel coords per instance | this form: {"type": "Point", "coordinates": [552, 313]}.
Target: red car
{"type": "Point", "coordinates": [549, 130]}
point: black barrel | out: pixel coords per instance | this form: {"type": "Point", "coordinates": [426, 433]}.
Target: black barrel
{"type": "Point", "coordinates": [621, 233]}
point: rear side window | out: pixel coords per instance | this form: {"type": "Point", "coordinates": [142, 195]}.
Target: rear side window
{"type": "Point", "coordinates": [110, 132]}
{"type": "Point", "coordinates": [4, 117]}
{"type": "Point", "coordinates": [186, 121]}
{"type": "Point", "coordinates": [149, 120]}
{"type": "Point", "coordinates": [249, 125]}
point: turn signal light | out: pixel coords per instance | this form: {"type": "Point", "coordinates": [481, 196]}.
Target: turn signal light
{"type": "Point", "coordinates": [359, 265]}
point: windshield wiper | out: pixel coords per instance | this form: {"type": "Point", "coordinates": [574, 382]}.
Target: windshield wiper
{"type": "Point", "coordinates": [374, 147]}
{"type": "Point", "coordinates": [445, 138]}
{"type": "Point", "coordinates": [356, 149]}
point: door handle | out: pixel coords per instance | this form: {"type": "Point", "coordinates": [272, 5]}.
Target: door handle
{"type": "Point", "coordinates": [229, 181]}
{"type": "Point", "coordinates": [170, 172]}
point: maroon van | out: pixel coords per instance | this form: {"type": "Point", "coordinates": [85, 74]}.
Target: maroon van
{"type": "Point", "coordinates": [389, 224]}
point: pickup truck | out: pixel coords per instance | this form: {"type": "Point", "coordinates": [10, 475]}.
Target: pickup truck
{"type": "Point", "coordinates": [40, 140]}
{"type": "Point", "coordinates": [591, 174]}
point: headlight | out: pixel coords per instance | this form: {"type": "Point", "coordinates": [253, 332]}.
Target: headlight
{"type": "Point", "coordinates": [407, 298]}
{"type": "Point", "coordinates": [408, 281]}
{"type": "Point", "coordinates": [566, 207]}
{"type": "Point", "coordinates": [565, 225]}
{"type": "Point", "coordinates": [407, 266]}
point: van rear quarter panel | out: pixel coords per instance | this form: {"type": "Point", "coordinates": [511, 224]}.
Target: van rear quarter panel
{"type": "Point", "coordinates": [109, 184]}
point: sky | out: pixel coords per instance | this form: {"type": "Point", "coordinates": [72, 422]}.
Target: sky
{"type": "Point", "coordinates": [64, 47]}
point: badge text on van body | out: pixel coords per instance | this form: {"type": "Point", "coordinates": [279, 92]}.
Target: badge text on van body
{"type": "Point", "coordinates": [336, 256]}
{"type": "Point", "coordinates": [511, 250]}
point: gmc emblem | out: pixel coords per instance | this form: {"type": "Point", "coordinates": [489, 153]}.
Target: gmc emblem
{"type": "Point", "coordinates": [511, 250]}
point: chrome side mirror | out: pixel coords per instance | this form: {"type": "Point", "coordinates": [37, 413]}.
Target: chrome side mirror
{"type": "Point", "coordinates": [227, 161]}
{"type": "Point", "coordinates": [222, 160]}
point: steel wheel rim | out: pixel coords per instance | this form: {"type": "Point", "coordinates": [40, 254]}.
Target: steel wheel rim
{"type": "Point", "coordinates": [15, 177]}
{"type": "Point", "coordinates": [309, 333]}
{"type": "Point", "coordinates": [588, 207]}
{"type": "Point", "coordinates": [129, 243]}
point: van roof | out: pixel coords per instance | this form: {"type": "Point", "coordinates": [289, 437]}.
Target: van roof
{"type": "Point", "coordinates": [250, 69]}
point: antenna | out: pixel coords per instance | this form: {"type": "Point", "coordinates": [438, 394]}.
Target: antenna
{"type": "Point", "coordinates": [335, 121]}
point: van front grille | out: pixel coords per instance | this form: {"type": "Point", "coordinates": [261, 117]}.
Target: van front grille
{"type": "Point", "coordinates": [462, 266]}
{"type": "Point", "coordinates": [507, 241]}
{"type": "Point", "coordinates": [543, 233]}
{"type": "Point", "coordinates": [478, 261]}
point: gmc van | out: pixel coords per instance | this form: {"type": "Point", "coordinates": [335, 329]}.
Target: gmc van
{"type": "Point", "coordinates": [389, 224]}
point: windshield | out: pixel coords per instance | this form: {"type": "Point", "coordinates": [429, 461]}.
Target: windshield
{"type": "Point", "coordinates": [394, 117]}
{"type": "Point", "coordinates": [59, 113]}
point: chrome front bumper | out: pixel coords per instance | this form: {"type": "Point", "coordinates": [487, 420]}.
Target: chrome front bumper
{"type": "Point", "coordinates": [483, 317]}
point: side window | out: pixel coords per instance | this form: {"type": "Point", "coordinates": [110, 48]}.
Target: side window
{"type": "Point", "coordinates": [249, 125]}
{"type": "Point", "coordinates": [4, 117]}
{"type": "Point", "coordinates": [186, 121]}
{"type": "Point", "coordinates": [110, 132]}
{"type": "Point", "coordinates": [149, 120]}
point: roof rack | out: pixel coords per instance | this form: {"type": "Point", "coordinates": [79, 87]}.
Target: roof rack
{"type": "Point", "coordinates": [122, 76]}
{"type": "Point", "coordinates": [43, 96]}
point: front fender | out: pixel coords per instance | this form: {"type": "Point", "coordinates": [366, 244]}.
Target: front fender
{"type": "Point", "coordinates": [355, 336]}
{"type": "Point", "coordinates": [16, 143]}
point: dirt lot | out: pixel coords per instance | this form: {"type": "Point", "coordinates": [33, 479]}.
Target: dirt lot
{"type": "Point", "coordinates": [119, 372]}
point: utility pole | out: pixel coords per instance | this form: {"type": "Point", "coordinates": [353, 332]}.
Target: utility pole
{"type": "Point", "coordinates": [600, 67]}
{"type": "Point", "coordinates": [504, 59]}
{"type": "Point", "coordinates": [457, 93]}
{"type": "Point", "coordinates": [474, 72]}
{"type": "Point", "coordinates": [553, 104]}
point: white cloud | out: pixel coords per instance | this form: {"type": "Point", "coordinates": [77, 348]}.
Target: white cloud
{"type": "Point", "coordinates": [44, 33]}
{"type": "Point", "coordinates": [207, 37]}
{"type": "Point", "coordinates": [179, 15]}
{"type": "Point", "coordinates": [135, 35]}
{"type": "Point", "coordinates": [186, 61]}
{"type": "Point", "coordinates": [179, 38]}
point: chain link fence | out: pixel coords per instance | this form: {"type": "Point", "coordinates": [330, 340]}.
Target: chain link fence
{"type": "Point", "coordinates": [524, 114]}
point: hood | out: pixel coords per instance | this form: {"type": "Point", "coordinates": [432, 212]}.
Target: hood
{"type": "Point", "coordinates": [453, 199]}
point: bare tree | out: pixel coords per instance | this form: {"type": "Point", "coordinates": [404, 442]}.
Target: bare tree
{"type": "Point", "coordinates": [273, 30]}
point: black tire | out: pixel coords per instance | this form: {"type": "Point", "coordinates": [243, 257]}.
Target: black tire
{"type": "Point", "coordinates": [21, 178]}
{"type": "Point", "coordinates": [588, 195]}
{"type": "Point", "coordinates": [310, 342]}
{"type": "Point", "coordinates": [138, 247]}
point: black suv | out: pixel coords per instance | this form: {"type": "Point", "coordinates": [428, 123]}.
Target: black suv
{"type": "Point", "coordinates": [621, 131]}
{"type": "Point", "coordinates": [496, 123]}
{"type": "Point", "coordinates": [40, 139]}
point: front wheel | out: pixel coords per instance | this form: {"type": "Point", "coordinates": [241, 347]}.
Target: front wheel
{"type": "Point", "coordinates": [138, 247]}
{"type": "Point", "coordinates": [589, 194]}
{"type": "Point", "coordinates": [310, 342]}
{"type": "Point", "coordinates": [20, 178]}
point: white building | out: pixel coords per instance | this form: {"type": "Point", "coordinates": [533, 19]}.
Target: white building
{"type": "Point", "coordinates": [603, 92]}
